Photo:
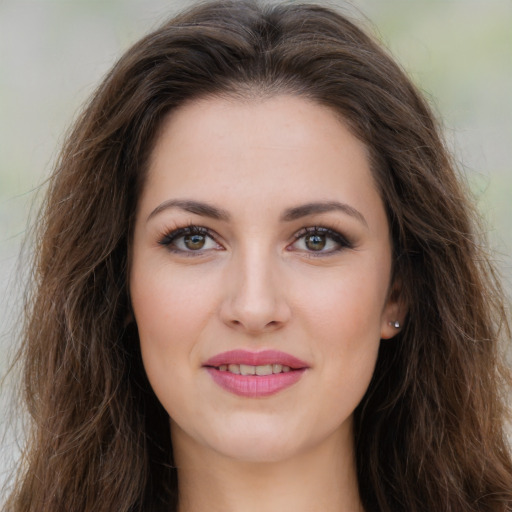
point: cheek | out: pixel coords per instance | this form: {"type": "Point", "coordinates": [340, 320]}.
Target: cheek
{"type": "Point", "coordinates": [170, 316]}
{"type": "Point", "coordinates": [344, 320]}
{"type": "Point", "coordinates": [169, 303]}
{"type": "Point", "coordinates": [348, 305]}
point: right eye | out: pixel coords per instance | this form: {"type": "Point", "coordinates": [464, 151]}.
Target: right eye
{"type": "Point", "coordinates": [192, 239]}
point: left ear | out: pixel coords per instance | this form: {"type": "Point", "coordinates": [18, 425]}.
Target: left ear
{"type": "Point", "coordinates": [394, 312]}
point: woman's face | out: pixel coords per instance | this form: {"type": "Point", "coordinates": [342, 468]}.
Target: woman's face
{"type": "Point", "coordinates": [260, 276]}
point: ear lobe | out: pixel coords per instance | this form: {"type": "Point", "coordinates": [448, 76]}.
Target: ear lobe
{"type": "Point", "coordinates": [394, 313]}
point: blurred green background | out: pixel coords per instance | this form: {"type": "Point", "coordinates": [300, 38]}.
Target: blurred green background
{"type": "Point", "coordinates": [53, 53]}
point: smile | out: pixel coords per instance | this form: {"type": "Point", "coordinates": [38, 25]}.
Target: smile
{"type": "Point", "coordinates": [255, 374]}
{"type": "Point", "coordinates": [247, 369]}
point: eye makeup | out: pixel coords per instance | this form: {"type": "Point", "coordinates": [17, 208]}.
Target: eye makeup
{"type": "Point", "coordinates": [195, 240]}
{"type": "Point", "coordinates": [190, 240]}
{"type": "Point", "coordinates": [320, 241]}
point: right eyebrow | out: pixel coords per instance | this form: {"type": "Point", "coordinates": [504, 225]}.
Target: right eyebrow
{"type": "Point", "coordinates": [197, 207]}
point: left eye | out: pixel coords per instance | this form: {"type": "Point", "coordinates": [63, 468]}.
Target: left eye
{"type": "Point", "coordinates": [190, 239]}
{"type": "Point", "coordinates": [319, 240]}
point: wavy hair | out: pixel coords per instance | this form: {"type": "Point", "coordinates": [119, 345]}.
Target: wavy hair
{"type": "Point", "coordinates": [430, 433]}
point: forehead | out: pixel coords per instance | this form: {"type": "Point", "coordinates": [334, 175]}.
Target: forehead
{"type": "Point", "coordinates": [282, 150]}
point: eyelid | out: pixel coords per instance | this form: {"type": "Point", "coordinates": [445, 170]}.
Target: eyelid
{"type": "Point", "coordinates": [343, 241]}
{"type": "Point", "coordinates": [171, 236]}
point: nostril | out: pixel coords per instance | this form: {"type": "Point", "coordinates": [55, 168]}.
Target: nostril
{"type": "Point", "coordinates": [255, 327]}
{"type": "Point", "coordinates": [255, 309]}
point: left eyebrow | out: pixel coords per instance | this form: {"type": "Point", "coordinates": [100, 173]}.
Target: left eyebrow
{"type": "Point", "coordinates": [304, 210]}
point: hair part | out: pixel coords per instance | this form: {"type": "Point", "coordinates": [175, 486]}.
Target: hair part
{"type": "Point", "coordinates": [430, 431]}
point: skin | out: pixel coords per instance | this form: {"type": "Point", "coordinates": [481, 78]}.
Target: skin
{"type": "Point", "coordinates": [260, 283]}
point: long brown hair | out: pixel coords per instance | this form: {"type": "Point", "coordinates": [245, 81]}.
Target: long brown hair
{"type": "Point", "coordinates": [430, 432]}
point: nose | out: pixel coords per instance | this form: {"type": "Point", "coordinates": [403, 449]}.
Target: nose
{"type": "Point", "coordinates": [255, 300]}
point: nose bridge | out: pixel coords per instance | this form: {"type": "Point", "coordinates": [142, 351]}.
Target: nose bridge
{"type": "Point", "coordinates": [255, 297]}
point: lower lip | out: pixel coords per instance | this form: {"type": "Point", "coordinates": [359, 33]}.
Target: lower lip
{"type": "Point", "coordinates": [255, 386]}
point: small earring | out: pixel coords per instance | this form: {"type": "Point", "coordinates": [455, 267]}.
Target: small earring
{"type": "Point", "coordinates": [395, 324]}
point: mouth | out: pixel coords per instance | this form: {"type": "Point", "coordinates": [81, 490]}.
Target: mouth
{"type": "Point", "coordinates": [247, 369]}
{"type": "Point", "coordinates": [268, 361]}
{"type": "Point", "coordinates": [255, 374]}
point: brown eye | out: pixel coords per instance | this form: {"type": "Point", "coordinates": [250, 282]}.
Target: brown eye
{"type": "Point", "coordinates": [315, 242]}
{"type": "Point", "coordinates": [194, 242]}
{"type": "Point", "coordinates": [191, 239]}
{"type": "Point", "coordinates": [319, 241]}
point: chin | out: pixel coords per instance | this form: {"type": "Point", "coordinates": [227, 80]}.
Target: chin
{"type": "Point", "coordinates": [261, 441]}
{"type": "Point", "coordinates": [257, 450]}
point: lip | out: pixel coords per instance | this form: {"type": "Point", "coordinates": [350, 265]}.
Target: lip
{"type": "Point", "coordinates": [256, 359]}
{"type": "Point", "coordinates": [255, 386]}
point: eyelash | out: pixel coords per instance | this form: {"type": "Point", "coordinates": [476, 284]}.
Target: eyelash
{"type": "Point", "coordinates": [170, 238]}
{"type": "Point", "coordinates": [342, 241]}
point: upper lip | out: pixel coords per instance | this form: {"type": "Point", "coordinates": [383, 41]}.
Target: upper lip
{"type": "Point", "coordinates": [261, 358]}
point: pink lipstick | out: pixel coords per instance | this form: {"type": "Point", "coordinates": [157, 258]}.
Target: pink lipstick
{"type": "Point", "coordinates": [255, 374]}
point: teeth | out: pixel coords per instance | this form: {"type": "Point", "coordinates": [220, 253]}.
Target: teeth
{"type": "Point", "coordinates": [247, 369]}
{"type": "Point", "coordinates": [264, 370]}
{"type": "Point", "coordinates": [234, 368]}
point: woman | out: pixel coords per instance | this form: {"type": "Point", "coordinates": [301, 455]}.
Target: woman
{"type": "Point", "coordinates": [259, 286]}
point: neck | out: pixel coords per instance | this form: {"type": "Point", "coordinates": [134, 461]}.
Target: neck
{"type": "Point", "coordinates": [319, 478]}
